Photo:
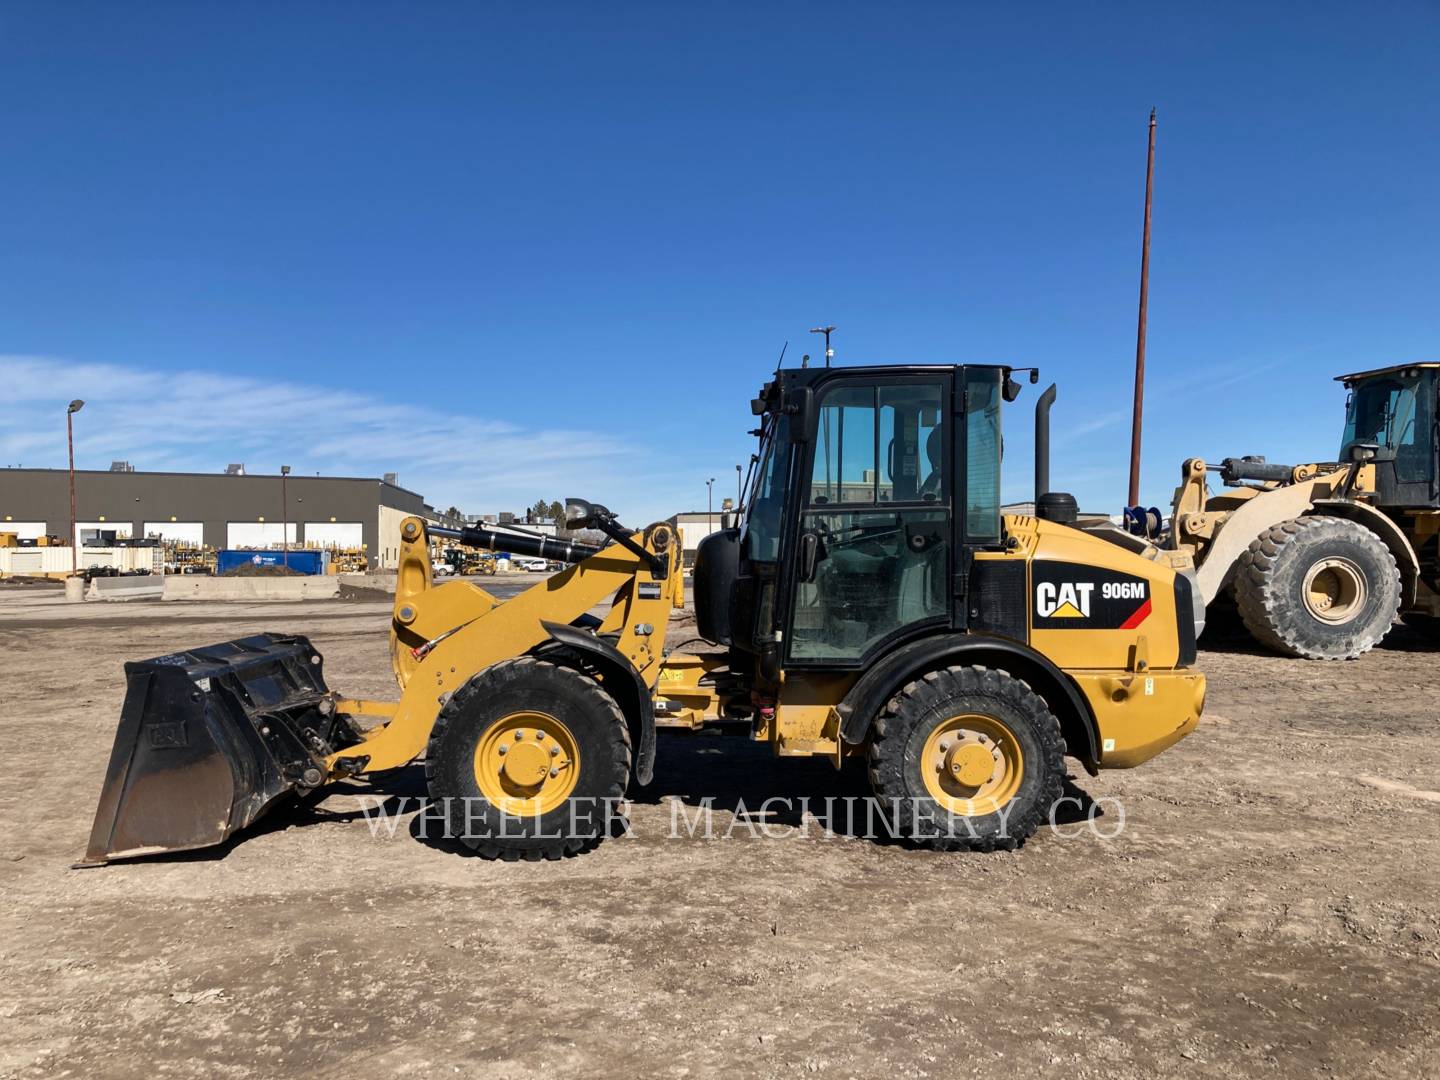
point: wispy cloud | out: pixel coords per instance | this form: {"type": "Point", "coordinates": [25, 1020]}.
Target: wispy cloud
{"type": "Point", "coordinates": [1075, 432]}
{"type": "Point", "coordinates": [199, 422]}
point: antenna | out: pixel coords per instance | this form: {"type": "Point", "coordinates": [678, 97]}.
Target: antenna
{"type": "Point", "coordinates": [782, 355]}
{"type": "Point", "coordinates": [827, 331]}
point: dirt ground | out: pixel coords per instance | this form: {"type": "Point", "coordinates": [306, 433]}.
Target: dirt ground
{"type": "Point", "coordinates": [1269, 907]}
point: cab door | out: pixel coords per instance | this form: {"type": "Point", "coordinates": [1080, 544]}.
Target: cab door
{"type": "Point", "coordinates": [873, 559]}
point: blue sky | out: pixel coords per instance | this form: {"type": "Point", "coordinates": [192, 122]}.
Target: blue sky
{"type": "Point", "coordinates": [514, 251]}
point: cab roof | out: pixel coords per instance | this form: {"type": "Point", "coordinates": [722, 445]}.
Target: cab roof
{"type": "Point", "coordinates": [815, 372]}
{"type": "Point", "coordinates": [1347, 379]}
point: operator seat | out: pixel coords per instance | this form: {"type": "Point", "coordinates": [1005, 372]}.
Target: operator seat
{"type": "Point", "coordinates": [934, 448]}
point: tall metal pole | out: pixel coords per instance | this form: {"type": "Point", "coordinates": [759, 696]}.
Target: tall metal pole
{"type": "Point", "coordinates": [284, 518]}
{"type": "Point", "coordinates": [74, 407]}
{"type": "Point", "coordinates": [1134, 499]}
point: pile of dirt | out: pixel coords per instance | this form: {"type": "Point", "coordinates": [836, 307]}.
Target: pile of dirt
{"type": "Point", "coordinates": [360, 592]}
{"type": "Point", "coordinates": [251, 570]}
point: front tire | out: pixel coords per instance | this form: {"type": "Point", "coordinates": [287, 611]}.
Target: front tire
{"type": "Point", "coordinates": [1319, 588]}
{"type": "Point", "coordinates": [967, 757]}
{"type": "Point", "coordinates": [528, 760]}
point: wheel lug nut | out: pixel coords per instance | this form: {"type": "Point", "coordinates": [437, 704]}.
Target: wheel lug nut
{"type": "Point", "coordinates": [520, 734]}
{"type": "Point", "coordinates": [539, 734]}
{"type": "Point", "coordinates": [504, 749]}
{"type": "Point", "coordinates": [554, 751]}
{"type": "Point", "coordinates": [944, 746]}
{"type": "Point", "coordinates": [554, 772]}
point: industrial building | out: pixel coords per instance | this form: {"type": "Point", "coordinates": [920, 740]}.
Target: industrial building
{"type": "Point", "coordinates": [234, 509]}
{"type": "Point", "coordinates": [694, 525]}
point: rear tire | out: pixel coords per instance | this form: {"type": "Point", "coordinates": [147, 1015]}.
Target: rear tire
{"type": "Point", "coordinates": [1320, 588]}
{"type": "Point", "coordinates": [528, 760]}
{"type": "Point", "coordinates": [931, 754]}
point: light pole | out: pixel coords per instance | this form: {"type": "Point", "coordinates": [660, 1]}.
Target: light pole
{"type": "Point", "coordinates": [1133, 495]}
{"type": "Point", "coordinates": [284, 518]}
{"type": "Point", "coordinates": [74, 407]}
{"type": "Point", "coordinates": [710, 505]}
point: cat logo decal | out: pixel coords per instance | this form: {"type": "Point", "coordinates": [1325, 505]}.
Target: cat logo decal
{"type": "Point", "coordinates": [1075, 597]}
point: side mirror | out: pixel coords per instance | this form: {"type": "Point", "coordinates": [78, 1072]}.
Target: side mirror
{"type": "Point", "coordinates": [1034, 375]}
{"type": "Point", "coordinates": [1363, 452]}
{"type": "Point", "coordinates": [809, 555]}
{"type": "Point", "coordinates": [1011, 389]}
{"type": "Point", "coordinates": [728, 519]}
{"type": "Point", "coordinates": [579, 514]}
{"type": "Point", "coordinates": [798, 403]}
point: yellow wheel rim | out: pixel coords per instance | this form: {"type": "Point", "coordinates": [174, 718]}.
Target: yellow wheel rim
{"type": "Point", "coordinates": [527, 764]}
{"type": "Point", "coordinates": [1335, 590]}
{"type": "Point", "coordinates": [972, 765]}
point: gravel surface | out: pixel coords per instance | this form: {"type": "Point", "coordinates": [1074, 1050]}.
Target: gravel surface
{"type": "Point", "coordinates": [1268, 908]}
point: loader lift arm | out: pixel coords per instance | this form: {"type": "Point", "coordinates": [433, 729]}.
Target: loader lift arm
{"type": "Point", "coordinates": [442, 635]}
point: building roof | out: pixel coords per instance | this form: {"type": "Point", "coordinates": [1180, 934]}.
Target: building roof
{"type": "Point", "coordinates": [141, 473]}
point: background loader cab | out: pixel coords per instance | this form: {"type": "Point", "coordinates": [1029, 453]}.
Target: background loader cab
{"type": "Point", "coordinates": [1392, 411]}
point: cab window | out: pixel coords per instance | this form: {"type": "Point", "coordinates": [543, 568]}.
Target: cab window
{"type": "Point", "coordinates": [877, 520]}
{"type": "Point", "coordinates": [1395, 412]}
{"type": "Point", "coordinates": [879, 444]}
{"type": "Point", "coordinates": [982, 456]}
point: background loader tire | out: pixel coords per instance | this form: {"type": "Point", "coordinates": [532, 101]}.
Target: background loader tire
{"type": "Point", "coordinates": [543, 715]}
{"type": "Point", "coordinates": [1282, 582]}
{"type": "Point", "coordinates": [904, 749]}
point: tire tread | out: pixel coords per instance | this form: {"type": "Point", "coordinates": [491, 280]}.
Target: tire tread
{"type": "Point", "coordinates": [1262, 603]}
{"type": "Point", "coordinates": [493, 678]}
{"type": "Point", "coordinates": [891, 730]}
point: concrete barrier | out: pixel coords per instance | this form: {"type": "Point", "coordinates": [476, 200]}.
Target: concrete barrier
{"type": "Point", "coordinates": [200, 587]}
{"type": "Point", "coordinates": [141, 587]}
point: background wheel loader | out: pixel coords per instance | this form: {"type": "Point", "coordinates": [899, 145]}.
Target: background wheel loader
{"type": "Point", "coordinates": [869, 600]}
{"type": "Point", "coordinates": [1321, 558]}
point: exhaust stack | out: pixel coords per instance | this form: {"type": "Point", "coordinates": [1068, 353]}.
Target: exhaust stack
{"type": "Point", "coordinates": [1042, 442]}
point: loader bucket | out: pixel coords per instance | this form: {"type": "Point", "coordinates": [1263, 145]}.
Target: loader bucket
{"type": "Point", "coordinates": [211, 738]}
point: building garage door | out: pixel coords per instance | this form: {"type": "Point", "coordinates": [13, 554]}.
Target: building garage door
{"type": "Point", "coordinates": [258, 534]}
{"type": "Point", "coordinates": [178, 532]}
{"type": "Point", "coordinates": [334, 534]}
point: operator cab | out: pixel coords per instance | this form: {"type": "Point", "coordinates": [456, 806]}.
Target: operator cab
{"type": "Point", "coordinates": [1394, 410]}
{"type": "Point", "coordinates": [872, 489]}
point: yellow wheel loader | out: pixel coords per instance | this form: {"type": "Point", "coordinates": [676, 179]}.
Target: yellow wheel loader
{"type": "Point", "coordinates": [1321, 558]}
{"type": "Point", "coordinates": [867, 600]}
